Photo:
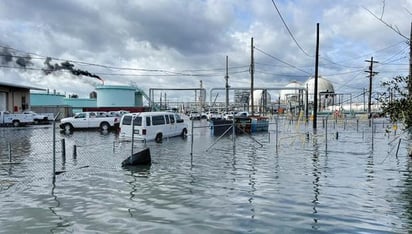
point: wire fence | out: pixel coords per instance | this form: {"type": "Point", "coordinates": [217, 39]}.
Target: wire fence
{"type": "Point", "coordinates": [286, 133]}
{"type": "Point", "coordinates": [33, 154]}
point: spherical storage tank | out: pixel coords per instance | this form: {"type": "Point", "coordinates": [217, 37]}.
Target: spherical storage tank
{"type": "Point", "coordinates": [324, 86]}
{"type": "Point", "coordinates": [291, 94]}
{"type": "Point", "coordinates": [115, 96]}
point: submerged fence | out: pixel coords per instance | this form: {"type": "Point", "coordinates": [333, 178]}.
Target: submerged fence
{"type": "Point", "coordinates": [284, 132]}
{"type": "Point", "coordinates": [42, 152]}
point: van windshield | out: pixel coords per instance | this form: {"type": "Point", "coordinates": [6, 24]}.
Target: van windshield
{"type": "Point", "coordinates": [127, 120]}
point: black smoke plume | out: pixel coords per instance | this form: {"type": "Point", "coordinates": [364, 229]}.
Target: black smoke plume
{"type": "Point", "coordinates": [7, 57]}
{"type": "Point", "coordinates": [50, 68]}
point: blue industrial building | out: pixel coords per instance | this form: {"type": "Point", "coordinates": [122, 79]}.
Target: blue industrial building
{"type": "Point", "coordinates": [106, 97]}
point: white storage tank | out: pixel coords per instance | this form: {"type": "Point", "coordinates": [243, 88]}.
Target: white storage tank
{"type": "Point", "coordinates": [115, 96]}
{"type": "Point", "coordinates": [262, 99]}
{"type": "Point", "coordinates": [291, 95]}
{"type": "Point", "coordinates": [324, 86]}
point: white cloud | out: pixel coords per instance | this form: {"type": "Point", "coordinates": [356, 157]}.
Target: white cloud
{"type": "Point", "coordinates": [157, 38]}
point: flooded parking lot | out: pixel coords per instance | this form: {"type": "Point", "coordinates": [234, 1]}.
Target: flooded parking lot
{"type": "Point", "coordinates": [358, 182]}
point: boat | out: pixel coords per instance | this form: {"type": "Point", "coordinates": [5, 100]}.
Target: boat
{"type": "Point", "coordinates": [248, 125]}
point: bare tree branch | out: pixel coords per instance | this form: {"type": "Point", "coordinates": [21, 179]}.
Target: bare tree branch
{"type": "Point", "coordinates": [394, 28]}
{"type": "Point", "coordinates": [408, 11]}
{"type": "Point", "coordinates": [383, 9]}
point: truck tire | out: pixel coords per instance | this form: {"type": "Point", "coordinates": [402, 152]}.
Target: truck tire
{"type": "Point", "coordinates": [158, 138]}
{"type": "Point", "coordinates": [104, 126]}
{"type": "Point", "coordinates": [68, 127]}
{"type": "Point", "coordinates": [184, 133]}
{"type": "Point", "coordinates": [16, 123]}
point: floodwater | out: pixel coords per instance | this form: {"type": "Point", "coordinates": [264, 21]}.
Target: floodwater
{"type": "Point", "coordinates": [346, 178]}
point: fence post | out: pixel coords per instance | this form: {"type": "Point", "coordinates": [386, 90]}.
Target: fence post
{"type": "Point", "coordinates": [54, 148]}
{"type": "Point", "coordinates": [74, 151]}
{"type": "Point", "coordinates": [9, 149]}
{"type": "Point", "coordinates": [326, 134]}
{"type": "Point", "coordinates": [277, 133]}
{"type": "Point", "coordinates": [397, 149]}
{"type": "Point", "coordinates": [63, 142]}
{"type": "Point", "coordinates": [191, 144]}
{"type": "Point", "coordinates": [344, 123]}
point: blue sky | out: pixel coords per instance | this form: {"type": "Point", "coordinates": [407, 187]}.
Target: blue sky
{"type": "Point", "coordinates": [177, 43]}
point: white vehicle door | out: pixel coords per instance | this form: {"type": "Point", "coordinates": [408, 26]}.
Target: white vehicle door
{"type": "Point", "coordinates": [173, 126]}
{"type": "Point", "coordinates": [80, 120]}
{"type": "Point", "coordinates": [158, 126]}
{"type": "Point", "coordinates": [168, 126]}
{"type": "Point", "coordinates": [93, 120]}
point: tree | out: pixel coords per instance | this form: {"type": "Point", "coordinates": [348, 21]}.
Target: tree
{"type": "Point", "coordinates": [395, 100]}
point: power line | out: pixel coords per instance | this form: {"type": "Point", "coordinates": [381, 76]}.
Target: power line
{"type": "Point", "coordinates": [168, 72]}
{"type": "Point", "coordinates": [290, 65]}
{"type": "Point", "coordinates": [287, 28]}
{"type": "Point", "coordinates": [361, 56]}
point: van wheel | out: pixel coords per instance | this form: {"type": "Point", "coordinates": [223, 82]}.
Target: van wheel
{"type": "Point", "coordinates": [184, 133]}
{"type": "Point", "coordinates": [16, 123]}
{"type": "Point", "coordinates": [158, 138]}
{"type": "Point", "coordinates": [104, 126]}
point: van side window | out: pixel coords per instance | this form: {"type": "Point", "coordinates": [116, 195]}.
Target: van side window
{"type": "Point", "coordinates": [172, 119]}
{"type": "Point", "coordinates": [167, 119]}
{"type": "Point", "coordinates": [148, 122]}
{"type": "Point", "coordinates": [158, 119]}
{"type": "Point", "coordinates": [179, 119]}
{"type": "Point", "coordinates": [127, 120]}
{"type": "Point", "coordinates": [137, 121]}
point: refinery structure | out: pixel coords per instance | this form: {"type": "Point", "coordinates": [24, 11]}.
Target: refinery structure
{"type": "Point", "coordinates": [293, 99]}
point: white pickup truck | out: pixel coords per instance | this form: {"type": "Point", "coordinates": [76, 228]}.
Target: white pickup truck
{"type": "Point", "coordinates": [39, 118]}
{"type": "Point", "coordinates": [7, 118]}
{"type": "Point", "coordinates": [84, 120]}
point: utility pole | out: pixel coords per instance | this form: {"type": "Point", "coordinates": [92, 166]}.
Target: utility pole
{"type": "Point", "coordinates": [371, 75]}
{"type": "Point", "coordinates": [252, 71]}
{"type": "Point", "coordinates": [315, 93]}
{"type": "Point", "coordinates": [227, 85]}
{"type": "Point", "coordinates": [410, 66]}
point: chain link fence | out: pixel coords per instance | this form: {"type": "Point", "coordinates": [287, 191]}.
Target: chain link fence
{"type": "Point", "coordinates": [26, 153]}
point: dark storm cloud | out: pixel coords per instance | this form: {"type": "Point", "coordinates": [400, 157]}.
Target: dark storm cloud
{"type": "Point", "coordinates": [109, 26]}
{"type": "Point", "coordinates": [188, 30]}
{"type": "Point", "coordinates": [178, 35]}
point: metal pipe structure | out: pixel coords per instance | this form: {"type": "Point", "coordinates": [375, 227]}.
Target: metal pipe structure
{"type": "Point", "coordinates": [152, 90]}
{"type": "Point", "coordinates": [300, 89]}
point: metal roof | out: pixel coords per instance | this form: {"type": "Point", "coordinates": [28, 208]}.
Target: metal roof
{"type": "Point", "coordinates": [20, 86]}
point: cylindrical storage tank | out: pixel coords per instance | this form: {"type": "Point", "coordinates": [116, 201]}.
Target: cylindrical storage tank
{"type": "Point", "coordinates": [261, 97]}
{"type": "Point", "coordinates": [138, 98]}
{"type": "Point", "coordinates": [262, 100]}
{"type": "Point", "coordinates": [115, 96]}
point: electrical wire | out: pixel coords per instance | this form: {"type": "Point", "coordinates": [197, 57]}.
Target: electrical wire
{"type": "Point", "coordinates": [168, 72]}
{"type": "Point", "coordinates": [290, 65]}
{"type": "Point", "coordinates": [290, 33]}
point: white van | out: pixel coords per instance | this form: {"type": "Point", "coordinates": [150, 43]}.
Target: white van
{"type": "Point", "coordinates": [152, 126]}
